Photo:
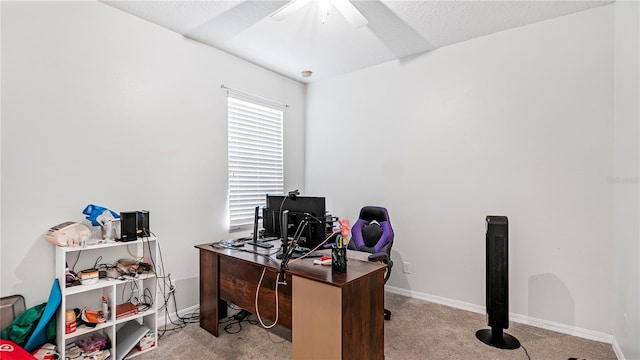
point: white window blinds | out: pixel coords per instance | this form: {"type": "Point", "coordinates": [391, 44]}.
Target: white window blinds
{"type": "Point", "coordinates": [255, 157]}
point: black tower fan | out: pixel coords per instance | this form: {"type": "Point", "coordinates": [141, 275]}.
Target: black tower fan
{"type": "Point", "coordinates": [497, 273]}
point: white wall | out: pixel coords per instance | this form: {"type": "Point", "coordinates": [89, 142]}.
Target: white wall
{"type": "Point", "coordinates": [101, 107]}
{"type": "Point", "coordinates": [626, 280]}
{"type": "Point", "coordinates": [518, 123]}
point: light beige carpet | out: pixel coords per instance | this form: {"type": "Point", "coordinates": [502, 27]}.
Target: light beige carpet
{"type": "Point", "coordinates": [417, 330]}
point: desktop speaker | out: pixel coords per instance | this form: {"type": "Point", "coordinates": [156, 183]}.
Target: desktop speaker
{"type": "Point", "coordinates": [129, 226]}
{"type": "Point", "coordinates": [497, 278]}
{"type": "Point", "coordinates": [143, 224]}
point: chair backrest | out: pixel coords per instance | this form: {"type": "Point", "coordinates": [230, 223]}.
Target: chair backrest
{"type": "Point", "coordinates": [372, 232]}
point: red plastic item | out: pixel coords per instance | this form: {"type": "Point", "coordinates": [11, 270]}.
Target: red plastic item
{"type": "Point", "coordinates": [12, 351]}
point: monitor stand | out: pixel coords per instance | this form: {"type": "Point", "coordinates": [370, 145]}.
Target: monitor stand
{"type": "Point", "coordinates": [255, 241]}
{"type": "Point", "coordinates": [284, 249]}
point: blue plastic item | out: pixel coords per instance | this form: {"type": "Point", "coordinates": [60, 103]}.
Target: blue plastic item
{"type": "Point", "coordinates": [93, 211]}
{"type": "Point", "coordinates": [39, 336]}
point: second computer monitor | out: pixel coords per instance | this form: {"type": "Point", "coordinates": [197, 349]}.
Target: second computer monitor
{"type": "Point", "coordinates": [302, 209]}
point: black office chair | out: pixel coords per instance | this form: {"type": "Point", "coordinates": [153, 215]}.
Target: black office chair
{"type": "Point", "coordinates": [372, 233]}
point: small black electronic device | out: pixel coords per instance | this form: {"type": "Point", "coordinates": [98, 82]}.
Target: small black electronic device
{"type": "Point", "coordinates": [143, 224]}
{"type": "Point", "coordinates": [128, 226]}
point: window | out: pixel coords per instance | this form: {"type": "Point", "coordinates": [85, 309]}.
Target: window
{"type": "Point", "coordinates": [255, 157]}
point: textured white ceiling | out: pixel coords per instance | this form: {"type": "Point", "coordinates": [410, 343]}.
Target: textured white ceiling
{"type": "Point", "coordinates": [396, 29]}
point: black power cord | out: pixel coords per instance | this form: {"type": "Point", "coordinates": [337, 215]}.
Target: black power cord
{"type": "Point", "coordinates": [525, 351]}
{"type": "Point", "coordinates": [233, 323]}
{"type": "Point", "coordinates": [172, 323]}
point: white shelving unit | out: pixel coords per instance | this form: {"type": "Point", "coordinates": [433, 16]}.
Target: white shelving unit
{"type": "Point", "coordinates": [117, 291]}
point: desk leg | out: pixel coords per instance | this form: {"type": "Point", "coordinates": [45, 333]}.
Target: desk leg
{"type": "Point", "coordinates": [363, 318]}
{"type": "Point", "coordinates": [212, 308]}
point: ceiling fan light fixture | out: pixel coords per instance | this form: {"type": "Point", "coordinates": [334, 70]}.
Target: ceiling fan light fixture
{"type": "Point", "coordinates": [324, 9]}
{"type": "Point", "coordinates": [344, 7]}
{"type": "Point", "coordinates": [289, 8]}
{"type": "Point", "coordinates": [307, 73]}
{"type": "Point", "coordinates": [350, 13]}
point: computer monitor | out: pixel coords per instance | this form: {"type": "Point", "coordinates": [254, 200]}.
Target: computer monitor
{"type": "Point", "coordinates": [306, 218]}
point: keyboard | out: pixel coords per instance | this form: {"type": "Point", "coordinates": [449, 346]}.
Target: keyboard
{"type": "Point", "coordinates": [300, 251]}
{"type": "Point", "coordinates": [314, 254]}
{"type": "Point", "coordinates": [260, 239]}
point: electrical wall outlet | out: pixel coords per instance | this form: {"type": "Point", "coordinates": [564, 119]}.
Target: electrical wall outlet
{"type": "Point", "coordinates": [406, 268]}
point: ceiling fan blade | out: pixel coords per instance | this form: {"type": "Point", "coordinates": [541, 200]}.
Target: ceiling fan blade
{"type": "Point", "coordinates": [289, 8]}
{"type": "Point", "coordinates": [350, 13]}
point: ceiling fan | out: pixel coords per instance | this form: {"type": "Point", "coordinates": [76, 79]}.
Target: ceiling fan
{"type": "Point", "coordinates": [345, 8]}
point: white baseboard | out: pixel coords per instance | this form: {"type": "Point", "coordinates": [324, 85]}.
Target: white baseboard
{"type": "Point", "coordinates": [436, 299]}
{"type": "Point", "coordinates": [562, 328]}
{"type": "Point", "coordinates": [519, 318]}
{"type": "Point", "coordinates": [617, 350]}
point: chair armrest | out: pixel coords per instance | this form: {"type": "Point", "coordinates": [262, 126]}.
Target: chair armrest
{"type": "Point", "coordinates": [381, 256]}
{"type": "Point", "coordinates": [385, 259]}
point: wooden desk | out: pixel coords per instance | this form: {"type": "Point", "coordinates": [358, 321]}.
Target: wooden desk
{"type": "Point", "coordinates": [331, 315]}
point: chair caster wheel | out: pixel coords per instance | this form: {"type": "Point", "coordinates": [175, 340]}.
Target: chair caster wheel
{"type": "Point", "coordinates": [387, 315]}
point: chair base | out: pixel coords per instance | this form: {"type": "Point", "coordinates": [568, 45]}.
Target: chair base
{"type": "Point", "coordinates": [387, 314]}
